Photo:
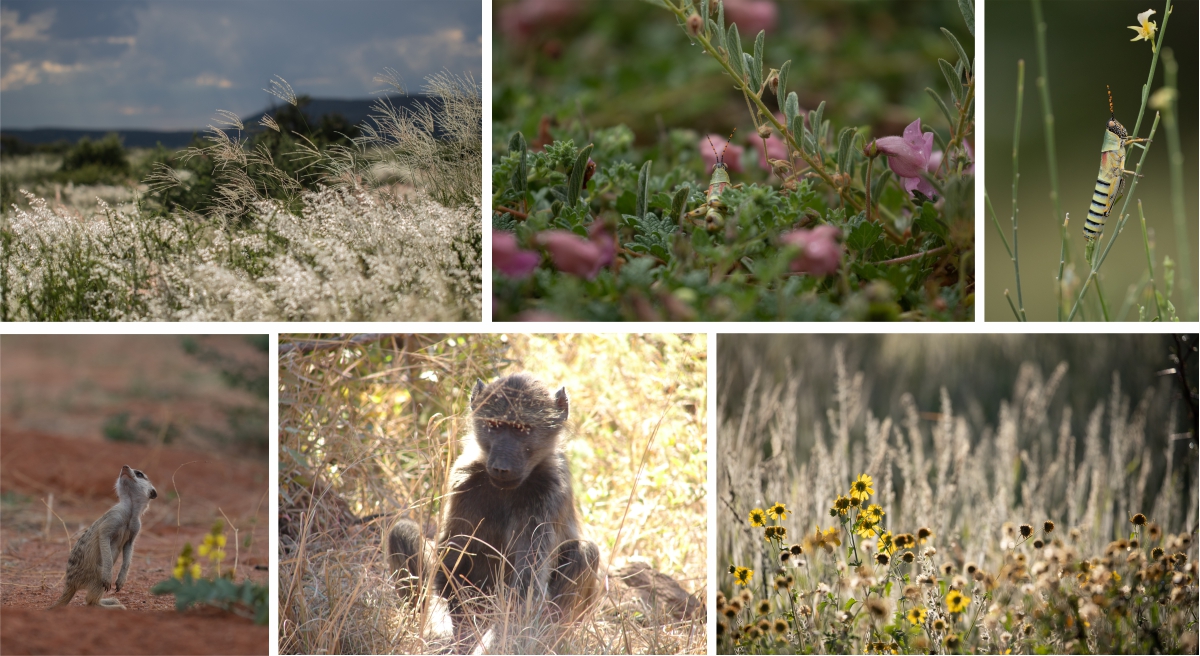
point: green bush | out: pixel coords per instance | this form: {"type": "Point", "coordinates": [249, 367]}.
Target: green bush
{"type": "Point", "coordinates": [93, 162]}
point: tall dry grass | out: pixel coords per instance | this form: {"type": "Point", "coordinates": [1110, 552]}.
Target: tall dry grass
{"type": "Point", "coordinates": [369, 426]}
{"type": "Point", "coordinates": [970, 487]}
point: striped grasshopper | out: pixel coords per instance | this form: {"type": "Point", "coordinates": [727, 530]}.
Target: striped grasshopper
{"type": "Point", "coordinates": [1111, 179]}
{"type": "Point", "coordinates": [713, 209]}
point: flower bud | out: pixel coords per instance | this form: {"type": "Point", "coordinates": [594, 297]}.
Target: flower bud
{"type": "Point", "coordinates": [694, 23]}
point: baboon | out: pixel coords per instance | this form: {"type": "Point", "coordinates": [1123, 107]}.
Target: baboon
{"type": "Point", "coordinates": [89, 567]}
{"type": "Point", "coordinates": [510, 517]}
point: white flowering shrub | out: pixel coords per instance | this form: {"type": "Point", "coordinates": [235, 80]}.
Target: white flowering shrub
{"type": "Point", "coordinates": [347, 255]}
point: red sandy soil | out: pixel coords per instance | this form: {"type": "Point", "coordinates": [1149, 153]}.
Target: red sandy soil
{"type": "Point", "coordinates": [79, 468]}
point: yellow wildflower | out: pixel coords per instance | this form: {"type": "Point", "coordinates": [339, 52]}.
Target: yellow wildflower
{"type": "Point", "coordinates": [778, 511]}
{"type": "Point", "coordinates": [758, 517]}
{"type": "Point", "coordinates": [861, 488]}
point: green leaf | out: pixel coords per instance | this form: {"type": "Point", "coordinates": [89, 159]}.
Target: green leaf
{"type": "Point", "coordinates": [748, 63]}
{"type": "Point", "coordinates": [864, 236]}
{"type": "Point", "coordinates": [967, 7]}
{"type": "Point", "coordinates": [734, 42]}
{"type": "Point", "coordinates": [940, 103]}
{"type": "Point", "coordinates": [756, 73]}
{"type": "Point", "coordinates": [819, 120]}
{"type": "Point", "coordinates": [520, 179]}
{"type": "Point", "coordinates": [928, 220]}
{"type": "Point", "coordinates": [781, 93]}
{"type": "Point", "coordinates": [952, 80]}
{"type": "Point", "coordinates": [962, 54]}
{"type": "Point", "coordinates": [679, 202]}
{"type": "Point", "coordinates": [575, 183]}
{"type": "Point", "coordinates": [791, 111]}
{"type": "Point", "coordinates": [643, 185]}
{"type": "Point", "coordinates": [845, 138]}
{"type": "Point", "coordinates": [797, 126]}
{"type": "Point", "coordinates": [720, 34]}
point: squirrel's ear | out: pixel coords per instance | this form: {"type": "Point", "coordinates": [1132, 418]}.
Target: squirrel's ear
{"type": "Point", "coordinates": [475, 391]}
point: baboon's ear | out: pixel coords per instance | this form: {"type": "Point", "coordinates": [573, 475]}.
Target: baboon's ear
{"type": "Point", "coordinates": [475, 391]}
{"type": "Point", "coordinates": [560, 402]}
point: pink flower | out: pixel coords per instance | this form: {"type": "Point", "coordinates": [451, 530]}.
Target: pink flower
{"type": "Point", "coordinates": [751, 16]}
{"type": "Point", "coordinates": [578, 256]}
{"type": "Point", "coordinates": [908, 157]}
{"type": "Point", "coordinates": [509, 258]}
{"type": "Point", "coordinates": [733, 153]}
{"type": "Point", "coordinates": [821, 254]}
{"type": "Point", "coordinates": [522, 19]}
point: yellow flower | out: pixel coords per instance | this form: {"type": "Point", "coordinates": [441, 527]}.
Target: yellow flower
{"type": "Point", "coordinates": [831, 536]}
{"type": "Point", "coordinates": [758, 517]}
{"type": "Point", "coordinates": [956, 602]}
{"type": "Point", "coordinates": [874, 513]}
{"type": "Point", "coordinates": [917, 616]}
{"type": "Point", "coordinates": [203, 549]}
{"type": "Point", "coordinates": [865, 530]}
{"type": "Point", "coordinates": [778, 511]}
{"type": "Point", "coordinates": [743, 575]}
{"type": "Point", "coordinates": [1147, 28]}
{"type": "Point", "coordinates": [841, 505]}
{"type": "Point", "coordinates": [196, 571]}
{"type": "Point", "coordinates": [861, 488]}
{"type": "Point", "coordinates": [886, 544]}
{"type": "Point", "coordinates": [221, 540]}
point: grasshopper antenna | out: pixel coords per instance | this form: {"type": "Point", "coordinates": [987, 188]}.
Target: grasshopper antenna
{"type": "Point", "coordinates": [1110, 105]}
{"type": "Point", "coordinates": [721, 156]}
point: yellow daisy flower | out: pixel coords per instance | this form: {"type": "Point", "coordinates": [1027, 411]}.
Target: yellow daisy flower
{"type": "Point", "coordinates": [861, 488]}
{"type": "Point", "coordinates": [743, 575]}
{"type": "Point", "coordinates": [758, 517]}
{"type": "Point", "coordinates": [778, 511]}
{"type": "Point", "coordinates": [917, 616]}
{"type": "Point", "coordinates": [956, 602]}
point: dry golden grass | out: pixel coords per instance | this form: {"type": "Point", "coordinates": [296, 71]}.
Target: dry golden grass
{"type": "Point", "coordinates": [370, 426]}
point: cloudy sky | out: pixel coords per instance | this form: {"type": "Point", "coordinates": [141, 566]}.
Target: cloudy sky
{"type": "Point", "coordinates": [170, 64]}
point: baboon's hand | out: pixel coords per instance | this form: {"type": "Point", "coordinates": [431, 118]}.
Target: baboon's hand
{"type": "Point", "coordinates": [120, 583]}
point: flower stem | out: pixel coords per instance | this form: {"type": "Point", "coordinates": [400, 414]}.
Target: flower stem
{"type": "Point", "coordinates": [1171, 123]}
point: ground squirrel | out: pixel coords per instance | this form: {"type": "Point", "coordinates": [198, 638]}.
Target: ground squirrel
{"type": "Point", "coordinates": [90, 564]}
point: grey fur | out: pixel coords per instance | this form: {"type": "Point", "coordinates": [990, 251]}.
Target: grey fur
{"type": "Point", "coordinates": [89, 567]}
{"type": "Point", "coordinates": [511, 513]}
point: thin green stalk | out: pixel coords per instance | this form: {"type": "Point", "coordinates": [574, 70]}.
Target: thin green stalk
{"type": "Point", "coordinates": [1016, 259]}
{"type": "Point", "coordinates": [1043, 84]}
{"type": "Point", "coordinates": [1120, 225]}
{"type": "Point", "coordinates": [1183, 241]}
{"type": "Point", "coordinates": [1103, 304]}
{"type": "Point", "coordinates": [995, 221]}
{"type": "Point", "coordinates": [1149, 261]}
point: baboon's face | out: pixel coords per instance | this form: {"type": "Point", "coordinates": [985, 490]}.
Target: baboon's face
{"type": "Point", "coordinates": [516, 422]}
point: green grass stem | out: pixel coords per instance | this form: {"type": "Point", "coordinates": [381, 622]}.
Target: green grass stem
{"type": "Point", "coordinates": [1171, 124]}
{"type": "Point", "coordinates": [1043, 84]}
{"type": "Point", "coordinates": [1149, 261]}
{"type": "Point", "coordinates": [1016, 178]}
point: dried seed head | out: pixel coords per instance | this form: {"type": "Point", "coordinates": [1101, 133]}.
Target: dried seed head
{"type": "Point", "coordinates": [694, 23]}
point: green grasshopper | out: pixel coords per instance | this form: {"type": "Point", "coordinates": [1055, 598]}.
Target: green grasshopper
{"type": "Point", "coordinates": [1111, 179]}
{"type": "Point", "coordinates": [713, 209]}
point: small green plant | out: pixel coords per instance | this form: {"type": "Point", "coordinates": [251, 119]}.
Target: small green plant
{"type": "Point", "coordinates": [191, 588]}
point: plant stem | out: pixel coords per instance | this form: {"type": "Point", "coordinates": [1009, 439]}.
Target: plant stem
{"type": "Point", "coordinates": [1043, 84]}
{"type": "Point", "coordinates": [1149, 260]}
{"type": "Point", "coordinates": [1170, 69]}
{"type": "Point", "coordinates": [1016, 259]}
{"type": "Point", "coordinates": [914, 256]}
{"type": "Point", "coordinates": [1099, 260]}
{"type": "Point", "coordinates": [1004, 240]}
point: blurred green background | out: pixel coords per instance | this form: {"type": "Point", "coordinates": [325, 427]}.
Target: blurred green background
{"type": "Point", "coordinates": [1087, 46]}
{"type": "Point", "coordinates": [588, 65]}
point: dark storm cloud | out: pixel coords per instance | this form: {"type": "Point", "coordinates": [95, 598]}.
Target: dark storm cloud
{"type": "Point", "coordinates": [171, 64]}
